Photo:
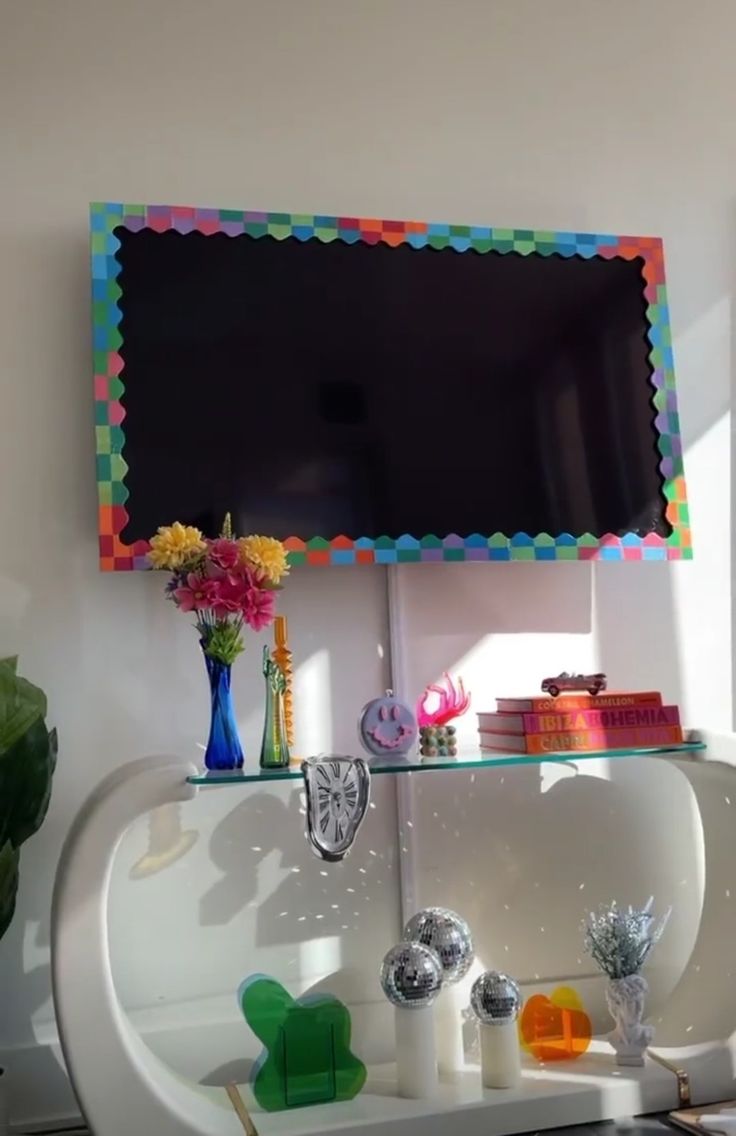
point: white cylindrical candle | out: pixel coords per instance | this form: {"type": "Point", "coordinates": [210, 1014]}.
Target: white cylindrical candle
{"type": "Point", "coordinates": [448, 1011]}
{"type": "Point", "coordinates": [416, 1054]}
{"type": "Point", "coordinates": [500, 1058]}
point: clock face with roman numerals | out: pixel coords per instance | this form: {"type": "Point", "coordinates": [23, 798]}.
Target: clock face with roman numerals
{"type": "Point", "coordinates": [338, 790]}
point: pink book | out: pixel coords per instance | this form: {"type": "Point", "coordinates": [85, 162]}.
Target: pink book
{"type": "Point", "coordinates": [620, 718]}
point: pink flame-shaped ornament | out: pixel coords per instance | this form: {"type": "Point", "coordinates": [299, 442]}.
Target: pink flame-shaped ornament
{"type": "Point", "coordinates": [452, 701]}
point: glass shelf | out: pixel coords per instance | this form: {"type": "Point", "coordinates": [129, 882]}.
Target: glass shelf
{"type": "Point", "coordinates": [416, 764]}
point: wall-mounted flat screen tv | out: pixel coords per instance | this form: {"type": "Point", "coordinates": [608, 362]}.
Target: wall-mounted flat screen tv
{"type": "Point", "coordinates": [383, 391]}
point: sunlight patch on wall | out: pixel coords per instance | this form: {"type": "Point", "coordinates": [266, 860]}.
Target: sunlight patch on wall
{"type": "Point", "coordinates": [313, 703]}
{"type": "Point", "coordinates": [700, 610]}
{"type": "Point", "coordinates": [319, 957]}
{"type": "Point", "coordinates": [507, 665]}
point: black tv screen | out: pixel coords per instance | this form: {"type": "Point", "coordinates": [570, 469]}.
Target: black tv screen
{"type": "Point", "coordinates": [330, 388]}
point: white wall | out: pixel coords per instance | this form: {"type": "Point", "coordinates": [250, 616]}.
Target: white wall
{"type": "Point", "coordinates": [572, 114]}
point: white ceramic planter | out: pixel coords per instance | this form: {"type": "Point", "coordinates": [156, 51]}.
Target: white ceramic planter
{"type": "Point", "coordinates": [3, 1103]}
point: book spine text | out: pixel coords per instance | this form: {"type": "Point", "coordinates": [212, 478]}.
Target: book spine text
{"type": "Point", "coordinates": [618, 718]}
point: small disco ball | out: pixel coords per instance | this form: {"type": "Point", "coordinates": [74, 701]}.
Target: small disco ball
{"type": "Point", "coordinates": [411, 976]}
{"type": "Point", "coordinates": [446, 933]}
{"type": "Point", "coordinates": [495, 998]}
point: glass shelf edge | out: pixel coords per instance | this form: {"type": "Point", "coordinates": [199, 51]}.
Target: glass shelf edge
{"type": "Point", "coordinates": [467, 762]}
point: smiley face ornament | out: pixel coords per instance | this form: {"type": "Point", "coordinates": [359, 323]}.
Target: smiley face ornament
{"type": "Point", "coordinates": [387, 728]}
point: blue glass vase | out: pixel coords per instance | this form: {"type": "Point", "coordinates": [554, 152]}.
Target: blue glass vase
{"type": "Point", "coordinates": [224, 750]}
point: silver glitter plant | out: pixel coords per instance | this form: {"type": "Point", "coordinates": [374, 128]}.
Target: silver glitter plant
{"type": "Point", "coordinates": [619, 941]}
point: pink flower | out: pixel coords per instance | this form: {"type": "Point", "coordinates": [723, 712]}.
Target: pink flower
{"type": "Point", "coordinates": [258, 608]}
{"type": "Point", "coordinates": [196, 594]}
{"type": "Point", "coordinates": [223, 553]}
{"type": "Point", "coordinates": [229, 598]}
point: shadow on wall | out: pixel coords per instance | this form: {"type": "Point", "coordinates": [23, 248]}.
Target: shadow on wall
{"type": "Point", "coordinates": [313, 900]}
{"type": "Point", "coordinates": [549, 844]}
{"type": "Point", "coordinates": [730, 303]}
{"type": "Point", "coordinates": [231, 1073]}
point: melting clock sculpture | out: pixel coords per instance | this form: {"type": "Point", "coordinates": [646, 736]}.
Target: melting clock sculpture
{"type": "Point", "coordinates": [338, 790]}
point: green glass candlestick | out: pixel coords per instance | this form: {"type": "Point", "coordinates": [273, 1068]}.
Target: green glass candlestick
{"type": "Point", "coordinates": [275, 745]}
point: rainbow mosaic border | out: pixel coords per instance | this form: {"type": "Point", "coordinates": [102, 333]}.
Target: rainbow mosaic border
{"type": "Point", "coordinates": [109, 386]}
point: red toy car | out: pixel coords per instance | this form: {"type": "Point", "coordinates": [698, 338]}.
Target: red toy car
{"type": "Point", "coordinates": [593, 683]}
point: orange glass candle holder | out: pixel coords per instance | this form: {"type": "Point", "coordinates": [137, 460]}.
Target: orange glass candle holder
{"type": "Point", "coordinates": [555, 1028]}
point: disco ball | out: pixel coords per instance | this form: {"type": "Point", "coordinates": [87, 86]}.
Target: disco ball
{"type": "Point", "coordinates": [411, 976]}
{"type": "Point", "coordinates": [495, 998]}
{"type": "Point", "coordinates": [446, 933]}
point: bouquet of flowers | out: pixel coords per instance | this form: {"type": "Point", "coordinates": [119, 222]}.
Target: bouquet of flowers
{"type": "Point", "coordinates": [227, 583]}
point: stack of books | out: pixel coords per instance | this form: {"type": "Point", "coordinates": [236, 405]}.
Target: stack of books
{"type": "Point", "coordinates": [578, 722]}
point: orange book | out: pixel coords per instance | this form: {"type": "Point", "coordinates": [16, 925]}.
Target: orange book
{"type": "Point", "coordinates": [609, 701]}
{"type": "Point", "coordinates": [642, 737]}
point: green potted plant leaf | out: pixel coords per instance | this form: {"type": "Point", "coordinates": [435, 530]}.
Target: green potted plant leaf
{"type": "Point", "coordinates": [27, 761]}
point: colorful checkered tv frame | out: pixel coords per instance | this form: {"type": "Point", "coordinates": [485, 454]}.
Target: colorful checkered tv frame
{"type": "Point", "coordinates": [116, 555]}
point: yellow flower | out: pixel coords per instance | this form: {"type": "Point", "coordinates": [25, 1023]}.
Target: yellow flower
{"type": "Point", "coordinates": [266, 555]}
{"type": "Point", "coordinates": [175, 545]}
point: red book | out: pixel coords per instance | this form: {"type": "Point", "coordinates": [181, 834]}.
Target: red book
{"type": "Point", "coordinates": [544, 704]}
{"type": "Point", "coordinates": [580, 741]}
